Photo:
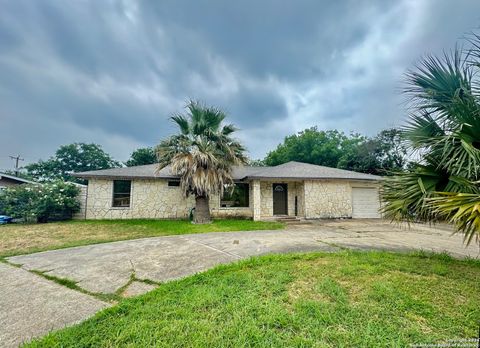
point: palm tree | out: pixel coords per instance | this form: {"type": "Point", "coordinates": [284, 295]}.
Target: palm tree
{"type": "Point", "coordinates": [443, 132]}
{"type": "Point", "coordinates": [202, 154]}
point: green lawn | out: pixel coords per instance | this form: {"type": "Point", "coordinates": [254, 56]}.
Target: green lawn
{"type": "Point", "coordinates": [347, 299]}
{"type": "Point", "coordinates": [27, 238]}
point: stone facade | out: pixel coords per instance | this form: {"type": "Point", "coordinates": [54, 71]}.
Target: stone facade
{"type": "Point", "coordinates": [327, 199]}
{"type": "Point", "coordinates": [153, 198]}
{"type": "Point", "coordinates": [150, 199]}
{"type": "Point", "coordinates": [82, 199]}
{"type": "Point", "coordinates": [256, 199]}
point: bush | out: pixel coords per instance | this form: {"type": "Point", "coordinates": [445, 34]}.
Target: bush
{"type": "Point", "coordinates": [40, 202]}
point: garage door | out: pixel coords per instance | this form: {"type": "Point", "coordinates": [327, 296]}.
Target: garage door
{"type": "Point", "coordinates": [365, 202]}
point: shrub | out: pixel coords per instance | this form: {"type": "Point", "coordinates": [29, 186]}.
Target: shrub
{"type": "Point", "coordinates": [40, 202]}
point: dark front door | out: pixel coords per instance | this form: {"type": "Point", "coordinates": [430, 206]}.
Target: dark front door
{"type": "Point", "coordinates": [280, 199]}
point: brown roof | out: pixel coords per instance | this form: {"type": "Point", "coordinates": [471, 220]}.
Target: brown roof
{"type": "Point", "coordinates": [290, 170]}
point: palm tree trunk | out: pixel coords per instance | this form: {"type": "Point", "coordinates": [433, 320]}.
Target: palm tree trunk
{"type": "Point", "coordinates": [202, 210]}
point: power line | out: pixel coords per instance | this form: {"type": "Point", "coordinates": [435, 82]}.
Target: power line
{"type": "Point", "coordinates": [17, 159]}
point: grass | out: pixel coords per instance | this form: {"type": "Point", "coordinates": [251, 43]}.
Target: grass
{"type": "Point", "coordinates": [345, 299]}
{"type": "Point", "coordinates": [18, 239]}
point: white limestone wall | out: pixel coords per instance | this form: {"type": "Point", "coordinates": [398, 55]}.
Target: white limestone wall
{"type": "Point", "coordinates": [256, 199]}
{"type": "Point", "coordinates": [82, 198]}
{"type": "Point", "coordinates": [155, 199]}
{"type": "Point", "coordinates": [327, 199]}
{"type": "Point", "coordinates": [150, 199]}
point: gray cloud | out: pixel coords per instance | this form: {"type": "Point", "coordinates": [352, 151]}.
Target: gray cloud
{"type": "Point", "coordinates": [112, 72]}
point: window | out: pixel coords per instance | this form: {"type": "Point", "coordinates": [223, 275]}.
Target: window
{"type": "Point", "coordinates": [175, 183]}
{"type": "Point", "coordinates": [121, 193]}
{"type": "Point", "coordinates": [237, 198]}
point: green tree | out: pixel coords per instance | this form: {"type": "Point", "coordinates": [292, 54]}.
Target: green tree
{"type": "Point", "coordinates": [76, 157]}
{"type": "Point", "coordinates": [379, 155]}
{"type": "Point", "coordinates": [313, 146]}
{"type": "Point", "coordinates": [256, 163]}
{"type": "Point", "coordinates": [142, 156]}
{"type": "Point", "coordinates": [383, 154]}
{"type": "Point", "coordinates": [202, 154]}
{"type": "Point", "coordinates": [444, 131]}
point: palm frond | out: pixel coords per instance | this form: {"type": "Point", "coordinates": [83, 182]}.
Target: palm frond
{"type": "Point", "coordinates": [444, 130]}
{"type": "Point", "coordinates": [182, 123]}
{"type": "Point", "coordinates": [203, 153]}
{"type": "Point", "coordinates": [461, 209]}
{"type": "Point", "coordinates": [437, 81]}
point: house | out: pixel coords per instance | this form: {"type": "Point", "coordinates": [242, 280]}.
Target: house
{"type": "Point", "coordinates": [291, 189]}
{"type": "Point", "coordinates": [7, 180]}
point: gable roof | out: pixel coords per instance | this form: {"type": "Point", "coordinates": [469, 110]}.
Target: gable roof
{"type": "Point", "coordinates": [290, 170]}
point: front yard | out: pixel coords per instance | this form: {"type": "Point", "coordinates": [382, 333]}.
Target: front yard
{"type": "Point", "coordinates": [346, 299]}
{"type": "Point", "coordinates": [18, 239]}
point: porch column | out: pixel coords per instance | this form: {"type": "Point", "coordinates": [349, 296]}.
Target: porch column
{"type": "Point", "coordinates": [256, 200]}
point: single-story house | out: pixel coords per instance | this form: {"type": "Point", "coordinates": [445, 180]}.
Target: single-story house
{"type": "Point", "coordinates": [292, 189]}
{"type": "Point", "coordinates": [7, 180]}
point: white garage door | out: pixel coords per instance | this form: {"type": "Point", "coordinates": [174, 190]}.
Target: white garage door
{"type": "Point", "coordinates": [365, 202]}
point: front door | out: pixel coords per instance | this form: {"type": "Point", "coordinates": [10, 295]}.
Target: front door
{"type": "Point", "coordinates": [280, 199]}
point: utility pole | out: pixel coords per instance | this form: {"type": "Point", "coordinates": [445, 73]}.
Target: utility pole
{"type": "Point", "coordinates": [16, 158]}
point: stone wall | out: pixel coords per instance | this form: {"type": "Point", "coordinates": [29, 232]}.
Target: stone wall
{"type": "Point", "coordinates": [150, 199]}
{"type": "Point", "coordinates": [327, 199]}
{"type": "Point", "coordinates": [256, 200]}
{"type": "Point", "coordinates": [155, 199]}
{"type": "Point", "coordinates": [82, 199]}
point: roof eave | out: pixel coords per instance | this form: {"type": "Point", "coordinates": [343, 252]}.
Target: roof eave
{"type": "Point", "coordinates": [309, 178]}
{"type": "Point", "coordinates": [120, 177]}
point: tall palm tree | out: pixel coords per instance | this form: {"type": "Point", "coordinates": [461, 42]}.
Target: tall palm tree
{"type": "Point", "coordinates": [202, 154]}
{"type": "Point", "coordinates": [443, 132]}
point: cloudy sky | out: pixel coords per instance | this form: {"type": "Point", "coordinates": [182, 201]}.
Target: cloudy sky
{"type": "Point", "coordinates": [112, 72]}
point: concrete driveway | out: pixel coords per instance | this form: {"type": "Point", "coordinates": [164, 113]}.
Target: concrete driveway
{"type": "Point", "coordinates": [108, 268]}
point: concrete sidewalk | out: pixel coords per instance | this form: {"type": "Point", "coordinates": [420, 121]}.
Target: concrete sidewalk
{"type": "Point", "coordinates": [105, 268]}
{"type": "Point", "coordinates": [31, 306]}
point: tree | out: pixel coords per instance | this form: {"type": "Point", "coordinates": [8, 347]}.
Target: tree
{"type": "Point", "coordinates": [382, 155]}
{"type": "Point", "coordinates": [313, 146]}
{"type": "Point", "coordinates": [256, 163]}
{"type": "Point", "coordinates": [444, 132]}
{"type": "Point", "coordinates": [202, 154]}
{"type": "Point", "coordinates": [76, 157]}
{"type": "Point", "coordinates": [142, 156]}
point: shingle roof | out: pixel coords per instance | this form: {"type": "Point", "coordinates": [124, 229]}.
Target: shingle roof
{"type": "Point", "coordinates": [290, 170]}
{"type": "Point", "coordinates": [299, 170]}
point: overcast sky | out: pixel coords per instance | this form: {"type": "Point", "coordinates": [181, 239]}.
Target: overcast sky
{"type": "Point", "coordinates": [112, 72]}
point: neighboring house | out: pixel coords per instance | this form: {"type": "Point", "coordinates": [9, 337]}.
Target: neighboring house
{"type": "Point", "coordinates": [291, 189]}
{"type": "Point", "coordinates": [7, 180]}
{"type": "Point", "coordinates": [10, 180]}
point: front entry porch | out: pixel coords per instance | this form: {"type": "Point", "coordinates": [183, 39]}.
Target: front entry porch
{"type": "Point", "coordinates": [277, 199]}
